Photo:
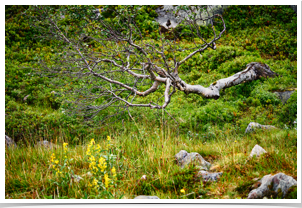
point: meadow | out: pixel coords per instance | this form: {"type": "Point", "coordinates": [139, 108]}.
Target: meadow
{"type": "Point", "coordinates": [126, 148]}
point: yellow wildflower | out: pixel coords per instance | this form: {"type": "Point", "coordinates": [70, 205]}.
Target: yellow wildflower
{"type": "Point", "coordinates": [102, 164]}
{"type": "Point", "coordinates": [113, 172]}
{"type": "Point", "coordinates": [92, 164]}
{"type": "Point", "coordinates": [92, 159]}
{"type": "Point", "coordinates": [64, 145]}
{"type": "Point", "coordinates": [58, 173]}
{"type": "Point", "coordinates": [98, 147]}
{"type": "Point", "coordinates": [52, 157]}
{"type": "Point", "coordinates": [182, 191]}
{"type": "Point", "coordinates": [56, 161]}
{"type": "Point", "coordinates": [107, 180]}
{"type": "Point", "coordinates": [108, 138]}
{"type": "Point", "coordinates": [102, 160]}
{"type": "Point", "coordinates": [88, 150]}
{"type": "Point", "coordinates": [95, 183]}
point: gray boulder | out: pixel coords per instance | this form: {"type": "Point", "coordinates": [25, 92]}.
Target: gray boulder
{"type": "Point", "coordinates": [207, 176]}
{"type": "Point", "coordinates": [254, 125]}
{"type": "Point", "coordinates": [146, 197]}
{"type": "Point", "coordinates": [284, 96]}
{"type": "Point", "coordinates": [257, 150]}
{"type": "Point", "coordinates": [165, 14]}
{"type": "Point", "coordinates": [46, 144]}
{"type": "Point", "coordinates": [271, 185]}
{"type": "Point", "coordinates": [184, 158]}
{"type": "Point", "coordinates": [9, 142]}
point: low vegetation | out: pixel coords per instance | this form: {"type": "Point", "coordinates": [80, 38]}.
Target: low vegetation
{"type": "Point", "coordinates": [145, 144]}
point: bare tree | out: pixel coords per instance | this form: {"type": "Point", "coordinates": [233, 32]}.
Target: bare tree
{"type": "Point", "coordinates": [110, 60]}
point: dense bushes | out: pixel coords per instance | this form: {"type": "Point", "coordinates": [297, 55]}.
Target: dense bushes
{"type": "Point", "coordinates": [249, 38]}
{"type": "Point", "coordinates": [271, 30]}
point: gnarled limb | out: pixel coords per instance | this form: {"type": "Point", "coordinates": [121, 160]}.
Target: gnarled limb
{"type": "Point", "coordinates": [253, 71]}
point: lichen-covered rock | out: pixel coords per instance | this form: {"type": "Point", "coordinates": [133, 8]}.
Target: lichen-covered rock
{"type": "Point", "coordinates": [254, 125]}
{"type": "Point", "coordinates": [146, 197]}
{"type": "Point", "coordinates": [166, 12]}
{"type": "Point", "coordinates": [184, 158]}
{"type": "Point", "coordinates": [207, 176]}
{"type": "Point", "coordinates": [257, 151]}
{"type": "Point", "coordinates": [9, 142]}
{"type": "Point", "coordinates": [273, 186]}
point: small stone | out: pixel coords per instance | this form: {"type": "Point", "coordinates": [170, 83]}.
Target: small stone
{"type": "Point", "coordinates": [284, 96]}
{"type": "Point", "coordinates": [46, 144]}
{"type": "Point", "coordinates": [184, 158]}
{"type": "Point", "coordinates": [257, 150]}
{"type": "Point", "coordinates": [207, 176]}
{"type": "Point", "coordinates": [146, 197]}
{"type": "Point", "coordinates": [254, 125]}
{"type": "Point", "coordinates": [9, 142]}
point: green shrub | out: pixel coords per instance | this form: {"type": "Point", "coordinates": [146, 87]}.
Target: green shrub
{"type": "Point", "coordinates": [265, 97]}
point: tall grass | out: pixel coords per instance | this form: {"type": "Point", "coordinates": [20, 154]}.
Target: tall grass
{"type": "Point", "coordinates": [150, 152]}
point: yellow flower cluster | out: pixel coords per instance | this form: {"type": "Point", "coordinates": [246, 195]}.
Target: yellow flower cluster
{"type": "Point", "coordinates": [52, 157]}
{"type": "Point", "coordinates": [65, 149]}
{"type": "Point", "coordinates": [92, 164]}
{"type": "Point", "coordinates": [90, 147]}
{"type": "Point", "coordinates": [108, 144]}
{"type": "Point", "coordinates": [58, 172]}
{"type": "Point", "coordinates": [102, 164]}
{"type": "Point", "coordinates": [113, 171]}
{"type": "Point", "coordinates": [94, 185]}
{"type": "Point", "coordinates": [65, 146]}
{"type": "Point", "coordinates": [107, 180]}
{"type": "Point", "coordinates": [54, 163]}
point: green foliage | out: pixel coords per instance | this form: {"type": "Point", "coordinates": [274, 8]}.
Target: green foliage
{"type": "Point", "coordinates": [144, 17]}
{"type": "Point", "coordinates": [201, 69]}
{"type": "Point", "coordinates": [292, 193]}
{"type": "Point", "coordinates": [216, 113]}
{"type": "Point", "coordinates": [176, 180]}
{"type": "Point", "coordinates": [265, 97]}
{"type": "Point", "coordinates": [255, 16]}
{"type": "Point", "coordinates": [263, 29]}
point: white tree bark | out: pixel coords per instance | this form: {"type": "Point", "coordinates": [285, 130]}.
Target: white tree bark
{"type": "Point", "coordinates": [253, 71]}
